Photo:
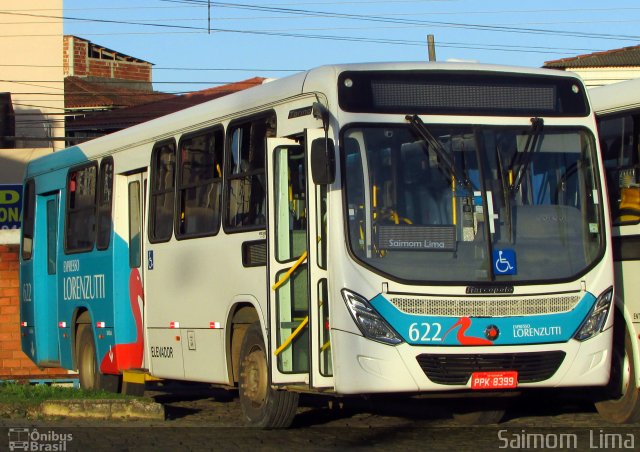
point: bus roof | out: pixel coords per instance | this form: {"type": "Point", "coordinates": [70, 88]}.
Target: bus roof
{"type": "Point", "coordinates": [319, 79]}
{"type": "Point", "coordinates": [616, 97]}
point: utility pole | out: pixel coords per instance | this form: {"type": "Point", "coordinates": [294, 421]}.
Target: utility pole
{"type": "Point", "coordinates": [431, 44]}
{"type": "Point", "coordinates": [209, 17]}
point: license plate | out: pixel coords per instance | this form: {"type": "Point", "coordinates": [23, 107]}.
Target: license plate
{"type": "Point", "coordinates": [494, 380]}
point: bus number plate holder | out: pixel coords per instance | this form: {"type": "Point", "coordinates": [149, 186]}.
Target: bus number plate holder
{"type": "Point", "coordinates": [494, 380]}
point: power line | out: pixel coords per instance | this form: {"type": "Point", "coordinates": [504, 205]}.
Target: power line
{"type": "Point", "coordinates": [357, 17]}
{"type": "Point", "coordinates": [36, 106]}
{"type": "Point", "coordinates": [201, 4]}
{"type": "Point", "coordinates": [160, 21]}
{"type": "Point", "coordinates": [386, 19]}
{"type": "Point", "coordinates": [172, 68]}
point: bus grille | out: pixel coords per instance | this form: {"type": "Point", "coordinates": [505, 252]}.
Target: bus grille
{"type": "Point", "coordinates": [485, 307]}
{"type": "Point", "coordinates": [457, 369]}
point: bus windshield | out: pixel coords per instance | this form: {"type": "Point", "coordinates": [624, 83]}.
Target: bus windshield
{"type": "Point", "coordinates": [468, 204]}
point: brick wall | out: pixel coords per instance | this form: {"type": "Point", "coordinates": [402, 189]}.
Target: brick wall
{"type": "Point", "coordinates": [77, 62]}
{"type": "Point", "coordinates": [14, 363]}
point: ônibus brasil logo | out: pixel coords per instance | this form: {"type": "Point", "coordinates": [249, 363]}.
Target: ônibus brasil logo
{"type": "Point", "coordinates": [34, 440]}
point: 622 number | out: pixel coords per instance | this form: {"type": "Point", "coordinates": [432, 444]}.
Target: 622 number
{"type": "Point", "coordinates": [425, 332]}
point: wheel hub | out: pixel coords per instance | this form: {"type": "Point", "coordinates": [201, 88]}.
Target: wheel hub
{"type": "Point", "coordinates": [626, 372]}
{"type": "Point", "coordinates": [256, 377]}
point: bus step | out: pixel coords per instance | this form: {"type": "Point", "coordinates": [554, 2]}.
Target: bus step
{"type": "Point", "coordinates": [138, 376]}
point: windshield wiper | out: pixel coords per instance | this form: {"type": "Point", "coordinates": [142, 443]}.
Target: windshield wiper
{"type": "Point", "coordinates": [443, 156]}
{"type": "Point", "coordinates": [506, 193]}
{"type": "Point", "coordinates": [533, 138]}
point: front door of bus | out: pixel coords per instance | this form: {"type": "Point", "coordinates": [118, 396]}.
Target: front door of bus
{"type": "Point", "coordinates": [136, 186]}
{"type": "Point", "coordinates": [299, 346]}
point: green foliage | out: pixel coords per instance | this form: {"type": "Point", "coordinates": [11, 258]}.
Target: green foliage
{"type": "Point", "coordinates": [11, 393]}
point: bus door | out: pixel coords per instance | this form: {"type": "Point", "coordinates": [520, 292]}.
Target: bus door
{"type": "Point", "coordinates": [136, 188]}
{"type": "Point", "coordinates": [322, 374]}
{"type": "Point", "coordinates": [293, 266]}
{"type": "Point", "coordinates": [43, 289]}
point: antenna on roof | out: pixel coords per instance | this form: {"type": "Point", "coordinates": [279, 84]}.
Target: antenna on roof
{"type": "Point", "coordinates": [431, 45]}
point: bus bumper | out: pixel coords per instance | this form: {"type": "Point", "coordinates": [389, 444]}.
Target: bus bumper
{"type": "Point", "coordinates": [365, 366]}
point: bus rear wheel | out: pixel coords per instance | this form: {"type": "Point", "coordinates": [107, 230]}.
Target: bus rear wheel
{"type": "Point", "coordinates": [88, 368]}
{"type": "Point", "coordinates": [262, 406]}
{"type": "Point", "coordinates": [623, 403]}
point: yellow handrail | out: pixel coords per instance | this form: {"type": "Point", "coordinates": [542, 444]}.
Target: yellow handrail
{"type": "Point", "coordinates": [287, 275]}
{"type": "Point", "coordinates": [454, 214]}
{"type": "Point", "coordinates": [280, 282]}
{"type": "Point", "coordinates": [292, 336]}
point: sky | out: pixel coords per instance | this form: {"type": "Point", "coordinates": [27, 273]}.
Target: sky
{"type": "Point", "coordinates": [196, 44]}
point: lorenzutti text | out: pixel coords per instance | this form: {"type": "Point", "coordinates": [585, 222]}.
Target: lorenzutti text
{"type": "Point", "coordinates": [81, 287]}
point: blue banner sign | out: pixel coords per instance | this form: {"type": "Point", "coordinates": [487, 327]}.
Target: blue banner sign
{"type": "Point", "coordinates": [10, 206]}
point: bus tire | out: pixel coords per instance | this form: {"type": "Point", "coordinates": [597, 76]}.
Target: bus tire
{"type": "Point", "coordinates": [132, 389]}
{"type": "Point", "coordinates": [88, 368]}
{"type": "Point", "coordinates": [262, 406]}
{"type": "Point", "coordinates": [622, 403]}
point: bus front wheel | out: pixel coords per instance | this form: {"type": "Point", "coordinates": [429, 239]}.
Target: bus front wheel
{"type": "Point", "coordinates": [262, 405]}
{"type": "Point", "coordinates": [622, 404]}
{"type": "Point", "coordinates": [88, 369]}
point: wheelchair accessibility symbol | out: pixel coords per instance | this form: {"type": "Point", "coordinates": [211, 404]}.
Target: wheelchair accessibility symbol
{"type": "Point", "coordinates": [504, 262]}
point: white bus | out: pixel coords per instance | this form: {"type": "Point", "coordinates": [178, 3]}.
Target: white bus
{"type": "Point", "coordinates": [354, 229]}
{"type": "Point", "coordinates": [617, 108]}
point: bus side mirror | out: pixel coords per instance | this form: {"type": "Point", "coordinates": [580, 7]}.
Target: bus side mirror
{"type": "Point", "coordinates": [323, 164]}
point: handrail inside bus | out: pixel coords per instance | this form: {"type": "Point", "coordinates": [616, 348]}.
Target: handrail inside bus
{"type": "Point", "coordinates": [293, 268]}
{"type": "Point", "coordinates": [280, 282]}
{"type": "Point", "coordinates": [305, 321]}
{"type": "Point", "coordinates": [292, 336]}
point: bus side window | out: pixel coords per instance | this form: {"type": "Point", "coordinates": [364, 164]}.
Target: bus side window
{"type": "Point", "coordinates": [80, 228]}
{"type": "Point", "coordinates": [163, 166]}
{"type": "Point", "coordinates": [617, 143]}
{"type": "Point", "coordinates": [135, 225]}
{"type": "Point", "coordinates": [105, 201]}
{"type": "Point", "coordinates": [200, 183]}
{"type": "Point", "coordinates": [28, 219]}
{"type": "Point", "coordinates": [246, 190]}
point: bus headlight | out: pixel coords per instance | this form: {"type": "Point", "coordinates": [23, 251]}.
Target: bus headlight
{"type": "Point", "coordinates": [368, 320]}
{"type": "Point", "coordinates": [596, 319]}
